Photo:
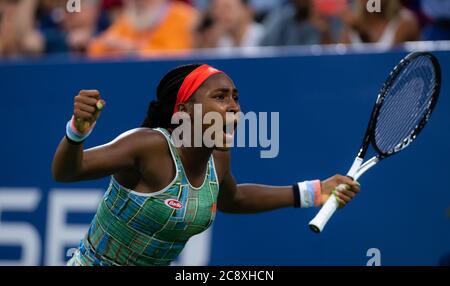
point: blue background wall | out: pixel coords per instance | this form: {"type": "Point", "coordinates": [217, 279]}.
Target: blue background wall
{"type": "Point", "coordinates": [324, 103]}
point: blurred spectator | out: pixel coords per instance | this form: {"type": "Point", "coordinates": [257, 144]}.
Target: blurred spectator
{"type": "Point", "coordinates": [111, 9]}
{"type": "Point", "coordinates": [439, 13]}
{"type": "Point", "coordinates": [18, 35]}
{"type": "Point", "coordinates": [185, 1]}
{"type": "Point", "coordinates": [416, 8]}
{"type": "Point", "coordinates": [50, 16]}
{"type": "Point", "coordinates": [261, 7]}
{"type": "Point", "coordinates": [81, 27]}
{"type": "Point", "coordinates": [393, 25]}
{"type": "Point", "coordinates": [206, 35]}
{"type": "Point", "coordinates": [330, 11]}
{"type": "Point", "coordinates": [230, 25]}
{"type": "Point", "coordinates": [147, 27]}
{"type": "Point", "coordinates": [69, 31]}
{"type": "Point", "coordinates": [296, 24]}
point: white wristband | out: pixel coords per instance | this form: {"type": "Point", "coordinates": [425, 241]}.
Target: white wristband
{"type": "Point", "coordinates": [73, 134]}
{"type": "Point", "coordinates": [309, 193]}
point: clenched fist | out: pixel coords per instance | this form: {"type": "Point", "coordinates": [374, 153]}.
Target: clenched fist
{"type": "Point", "coordinates": [87, 107]}
{"type": "Point", "coordinates": [344, 194]}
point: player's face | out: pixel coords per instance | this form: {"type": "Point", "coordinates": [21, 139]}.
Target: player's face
{"type": "Point", "coordinates": [219, 95]}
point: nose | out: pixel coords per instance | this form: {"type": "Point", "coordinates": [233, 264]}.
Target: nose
{"type": "Point", "coordinates": [233, 106]}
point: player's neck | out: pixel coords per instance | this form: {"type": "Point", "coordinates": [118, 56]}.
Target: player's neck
{"type": "Point", "coordinates": [195, 158]}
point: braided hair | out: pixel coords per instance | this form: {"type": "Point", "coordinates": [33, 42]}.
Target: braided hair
{"type": "Point", "coordinates": [160, 111]}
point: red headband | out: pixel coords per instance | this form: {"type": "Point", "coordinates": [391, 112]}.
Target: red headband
{"type": "Point", "coordinates": [192, 82]}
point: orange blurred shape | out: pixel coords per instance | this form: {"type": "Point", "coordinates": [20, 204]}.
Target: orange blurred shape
{"type": "Point", "coordinates": [330, 7]}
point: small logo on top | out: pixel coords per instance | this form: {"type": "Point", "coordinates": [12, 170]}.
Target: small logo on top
{"type": "Point", "coordinates": [174, 204]}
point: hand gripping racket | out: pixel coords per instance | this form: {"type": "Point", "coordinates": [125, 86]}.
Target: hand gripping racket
{"type": "Point", "coordinates": [401, 110]}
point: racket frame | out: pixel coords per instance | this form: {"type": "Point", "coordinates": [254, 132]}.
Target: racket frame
{"type": "Point", "coordinates": [358, 167]}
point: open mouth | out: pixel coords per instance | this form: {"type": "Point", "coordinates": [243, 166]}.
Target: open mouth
{"type": "Point", "coordinates": [228, 130]}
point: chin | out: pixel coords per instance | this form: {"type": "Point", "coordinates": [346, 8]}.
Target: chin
{"type": "Point", "coordinates": [222, 149]}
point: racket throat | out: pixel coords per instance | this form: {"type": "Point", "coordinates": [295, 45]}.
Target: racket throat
{"type": "Point", "coordinates": [355, 166]}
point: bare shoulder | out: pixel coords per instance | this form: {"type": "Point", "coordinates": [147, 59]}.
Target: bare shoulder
{"type": "Point", "coordinates": [408, 28]}
{"type": "Point", "coordinates": [141, 139]}
{"type": "Point", "coordinates": [408, 19]}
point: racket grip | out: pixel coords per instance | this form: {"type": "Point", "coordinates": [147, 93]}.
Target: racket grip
{"type": "Point", "coordinates": [331, 205]}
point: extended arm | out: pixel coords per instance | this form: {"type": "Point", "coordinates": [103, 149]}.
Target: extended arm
{"type": "Point", "coordinates": [254, 198]}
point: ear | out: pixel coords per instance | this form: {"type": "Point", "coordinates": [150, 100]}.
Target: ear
{"type": "Point", "coordinates": [186, 107]}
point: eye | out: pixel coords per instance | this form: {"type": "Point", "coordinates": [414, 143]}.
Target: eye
{"type": "Point", "coordinates": [236, 97]}
{"type": "Point", "coordinates": [220, 96]}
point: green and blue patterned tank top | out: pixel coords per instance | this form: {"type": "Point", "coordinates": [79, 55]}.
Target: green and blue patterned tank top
{"type": "Point", "coordinates": [131, 228]}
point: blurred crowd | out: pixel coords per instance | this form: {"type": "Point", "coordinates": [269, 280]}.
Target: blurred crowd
{"type": "Point", "coordinates": [117, 28]}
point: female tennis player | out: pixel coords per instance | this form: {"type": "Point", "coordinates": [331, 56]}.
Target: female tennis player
{"type": "Point", "coordinates": [159, 194]}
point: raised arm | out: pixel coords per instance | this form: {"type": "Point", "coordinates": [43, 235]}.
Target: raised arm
{"type": "Point", "coordinates": [72, 163]}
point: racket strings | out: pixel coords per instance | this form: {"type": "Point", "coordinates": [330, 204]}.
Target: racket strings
{"type": "Point", "coordinates": [405, 104]}
{"type": "Point", "coordinates": [401, 114]}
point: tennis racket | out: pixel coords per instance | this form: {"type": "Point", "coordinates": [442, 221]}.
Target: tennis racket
{"type": "Point", "coordinates": [402, 109]}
